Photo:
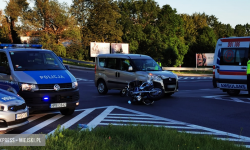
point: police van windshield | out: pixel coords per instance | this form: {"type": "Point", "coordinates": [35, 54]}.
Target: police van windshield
{"type": "Point", "coordinates": [146, 65]}
{"type": "Point", "coordinates": [35, 60]}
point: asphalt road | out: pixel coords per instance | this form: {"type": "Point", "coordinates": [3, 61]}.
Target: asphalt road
{"type": "Point", "coordinates": [196, 107]}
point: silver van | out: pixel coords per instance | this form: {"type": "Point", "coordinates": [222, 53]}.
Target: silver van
{"type": "Point", "coordinates": [114, 71]}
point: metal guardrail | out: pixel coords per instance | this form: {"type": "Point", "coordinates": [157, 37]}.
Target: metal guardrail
{"type": "Point", "coordinates": [164, 68]}
{"type": "Point", "coordinates": [186, 68]}
{"type": "Point", "coordinates": [78, 61]}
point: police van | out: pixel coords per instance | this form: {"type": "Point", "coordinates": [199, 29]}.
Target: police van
{"type": "Point", "coordinates": [230, 64]}
{"type": "Point", "coordinates": [13, 111]}
{"type": "Point", "coordinates": [39, 77]}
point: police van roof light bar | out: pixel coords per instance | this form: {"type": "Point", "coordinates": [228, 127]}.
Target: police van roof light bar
{"type": "Point", "coordinates": [20, 46]}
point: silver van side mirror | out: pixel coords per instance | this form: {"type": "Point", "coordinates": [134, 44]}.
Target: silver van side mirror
{"type": "Point", "coordinates": [130, 68]}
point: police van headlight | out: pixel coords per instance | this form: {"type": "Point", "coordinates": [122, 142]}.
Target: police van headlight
{"type": "Point", "coordinates": [29, 87]}
{"type": "Point", "coordinates": [74, 85]}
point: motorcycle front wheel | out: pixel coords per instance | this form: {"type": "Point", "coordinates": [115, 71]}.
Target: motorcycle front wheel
{"type": "Point", "coordinates": [156, 95]}
{"type": "Point", "coordinates": [147, 101]}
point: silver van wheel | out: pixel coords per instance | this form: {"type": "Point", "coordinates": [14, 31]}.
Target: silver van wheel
{"type": "Point", "coordinates": [102, 88]}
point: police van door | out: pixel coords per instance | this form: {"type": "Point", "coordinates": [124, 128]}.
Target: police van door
{"type": "Point", "coordinates": [5, 77]}
{"type": "Point", "coordinates": [232, 73]}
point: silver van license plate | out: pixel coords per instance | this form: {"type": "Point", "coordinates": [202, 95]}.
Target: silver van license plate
{"type": "Point", "coordinates": [57, 105]}
{"type": "Point", "coordinates": [171, 86]}
{"type": "Point", "coordinates": [21, 116]}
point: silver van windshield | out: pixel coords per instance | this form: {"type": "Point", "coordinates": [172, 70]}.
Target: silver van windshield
{"type": "Point", "coordinates": [35, 60]}
{"type": "Point", "coordinates": [146, 65]}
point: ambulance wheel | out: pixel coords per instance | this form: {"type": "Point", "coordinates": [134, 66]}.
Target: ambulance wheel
{"type": "Point", "coordinates": [233, 92]}
{"type": "Point", "coordinates": [68, 111]}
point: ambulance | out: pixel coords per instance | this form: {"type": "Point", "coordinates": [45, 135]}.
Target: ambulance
{"type": "Point", "coordinates": [230, 64]}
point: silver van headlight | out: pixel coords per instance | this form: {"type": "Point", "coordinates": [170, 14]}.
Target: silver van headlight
{"type": "Point", "coordinates": [155, 77]}
{"type": "Point", "coordinates": [29, 87]}
{"type": "Point", "coordinates": [74, 85]}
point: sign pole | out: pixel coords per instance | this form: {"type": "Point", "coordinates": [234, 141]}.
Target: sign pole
{"type": "Point", "coordinates": [196, 60]}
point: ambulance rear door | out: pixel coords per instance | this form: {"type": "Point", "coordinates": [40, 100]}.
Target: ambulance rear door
{"type": "Point", "coordinates": [233, 63]}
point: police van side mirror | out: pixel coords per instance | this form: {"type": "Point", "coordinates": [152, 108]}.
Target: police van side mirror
{"type": "Point", "coordinates": [67, 67]}
{"type": "Point", "coordinates": [4, 70]}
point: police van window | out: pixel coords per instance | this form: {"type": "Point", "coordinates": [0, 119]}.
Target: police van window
{"type": "Point", "coordinates": [112, 63]}
{"type": "Point", "coordinates": [125, 63]}
{"type": "Point", "coordinates": [4, 60]}
{"type": "Point", "coordinates": [102, 62]}
{"type": "Point", "coordinates": [35, 60]}
{"type": "Point", "coordinates": [235, 57]}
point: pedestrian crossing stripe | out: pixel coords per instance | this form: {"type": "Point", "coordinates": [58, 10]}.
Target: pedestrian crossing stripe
{"type": "Point", "coordinates": [116, 115]}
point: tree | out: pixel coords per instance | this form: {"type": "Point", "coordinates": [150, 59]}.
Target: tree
{"type": "Point", "coordinates": [54, 22]}
{"type": "Point", "coordinates": [172, 29]}
{"type": "Point", "coordinates": [4, 29]}
{"type": "Point", "coordinates": [240, 30]}
{"type": "Point", "coordinates": [14, 10]}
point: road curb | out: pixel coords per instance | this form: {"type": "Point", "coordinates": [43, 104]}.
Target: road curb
{"type": "Point", "coordinates": [86, 68]}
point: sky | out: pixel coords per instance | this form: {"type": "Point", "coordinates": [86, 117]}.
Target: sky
{"type": "Point", "coordinates": [231, 12]}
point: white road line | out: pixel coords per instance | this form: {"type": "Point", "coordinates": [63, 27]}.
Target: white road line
{"type": "Point", "coordinates": [204, 77]}
{"type": "Point", "coordinates": [43, 124]}
{"type": "Point", "coordinates": [33, 118]}
{"type": "Point", "coordinates": [138, 121]}
{"type": "Point", "coordinates": [236, 100]}
{"type": "Point", "coordinates": [186, 78]}
{"type": "Point", "coordinates": [205, 89]}
{"type": "Point", "coordinates": [244, 138]}
{"type": "Point", "coordinates": [179, 77]}
{"type": "Point", "coordinates": [139, 118]}
{"type": "Point", "coordinates": [199, 78]}
{"type": "Point", "coordinates": [192, 78]}
{"type": "Point", "coordinates": [120, 124]}
{"type": "Point", "coordinates": [229, 139]}
{"type": "Point", "coordinates": [248, 98]}
{"type": "Point", "coordinates": [74, 120]}
{"type": "Point", "coordinates": [99, 118]}
{"type": "Point", "coordinates": [126, 115]}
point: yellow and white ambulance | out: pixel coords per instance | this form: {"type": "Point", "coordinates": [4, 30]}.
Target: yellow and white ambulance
{"type": "Point", "coordinates": [230, 64]}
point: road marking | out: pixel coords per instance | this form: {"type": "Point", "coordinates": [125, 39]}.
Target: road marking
{"type": "Point", "coordinates": [120, 124]}
{"type": "Point", "coordinates": [33, 118]}
{"type": "Point", "coordinates": [126, 115]}
{"type": "Point", "coordinates": [131, 118]}
{"type": "Point", "coordinates": [192, 78]}
{"type": "Point", "coordinates": [74, 120]}
{"type": "Point", "coordinates": [137, 121]}
{"type": "Point", "coordinates": [198, 77]}
{"type": "Point", "coordinates": [179, 77]}
{"type": "Point", "coordinates": [43, 124]}
{"type": "Point", "coordinates": [236, 100]}
{"type": "Point", "coordinates": [186, 78]}
{"type": "Point", "coordinates": [99, 118]}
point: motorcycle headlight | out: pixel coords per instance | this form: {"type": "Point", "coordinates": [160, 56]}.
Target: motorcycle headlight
{"type": "Point", "coordinates": [29, 87]}
{"type": "Point", "coordinates": [74, 85]}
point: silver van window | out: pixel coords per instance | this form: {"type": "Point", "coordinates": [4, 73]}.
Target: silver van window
{"type": "Point", "coordinates": [146, 65]}
{"type": "Point", "coordinates": [125, 63]}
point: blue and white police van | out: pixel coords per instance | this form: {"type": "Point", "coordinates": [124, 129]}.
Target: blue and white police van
{"type": "Point", "coordinates": [13, 111]}
{"type": "Point", "coordinates": [39, 77]}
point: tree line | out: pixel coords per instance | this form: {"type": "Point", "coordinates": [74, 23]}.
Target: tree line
{"type": "Point", "coordinates": [159, 32]}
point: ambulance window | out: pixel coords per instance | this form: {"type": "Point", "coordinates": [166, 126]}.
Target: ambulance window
{"type": "Point", "coordinates": [235, 57]}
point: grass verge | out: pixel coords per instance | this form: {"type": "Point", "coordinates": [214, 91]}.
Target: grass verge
{"type": "Point", "coordinates": [132, 138]}
{"type": "Point", "coordinates": [194, 72]}
{"type": "Point", "coordinates": [79, 64]}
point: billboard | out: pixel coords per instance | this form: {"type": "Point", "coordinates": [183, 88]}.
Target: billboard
{"type": "Point", "coordinates": [120, 48]}
{"type": "Point", "coordinates": [97, 48]}
{"type": "Point", "coordinates": [204, 59]}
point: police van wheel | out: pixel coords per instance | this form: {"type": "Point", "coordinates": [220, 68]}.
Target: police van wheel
{"type": "Point", "coordinates": [68, 111]}
{"type": "Point", "coordinates": [102, 88]}
{"type": "Point", "coordinates": [233, 92]}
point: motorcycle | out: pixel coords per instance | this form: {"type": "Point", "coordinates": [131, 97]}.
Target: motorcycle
{"type": "Point", "coordinates": [142, 92]}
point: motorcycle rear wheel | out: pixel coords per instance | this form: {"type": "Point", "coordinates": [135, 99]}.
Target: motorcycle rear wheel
{"type": "Point", "coordinates": [154, 96]}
